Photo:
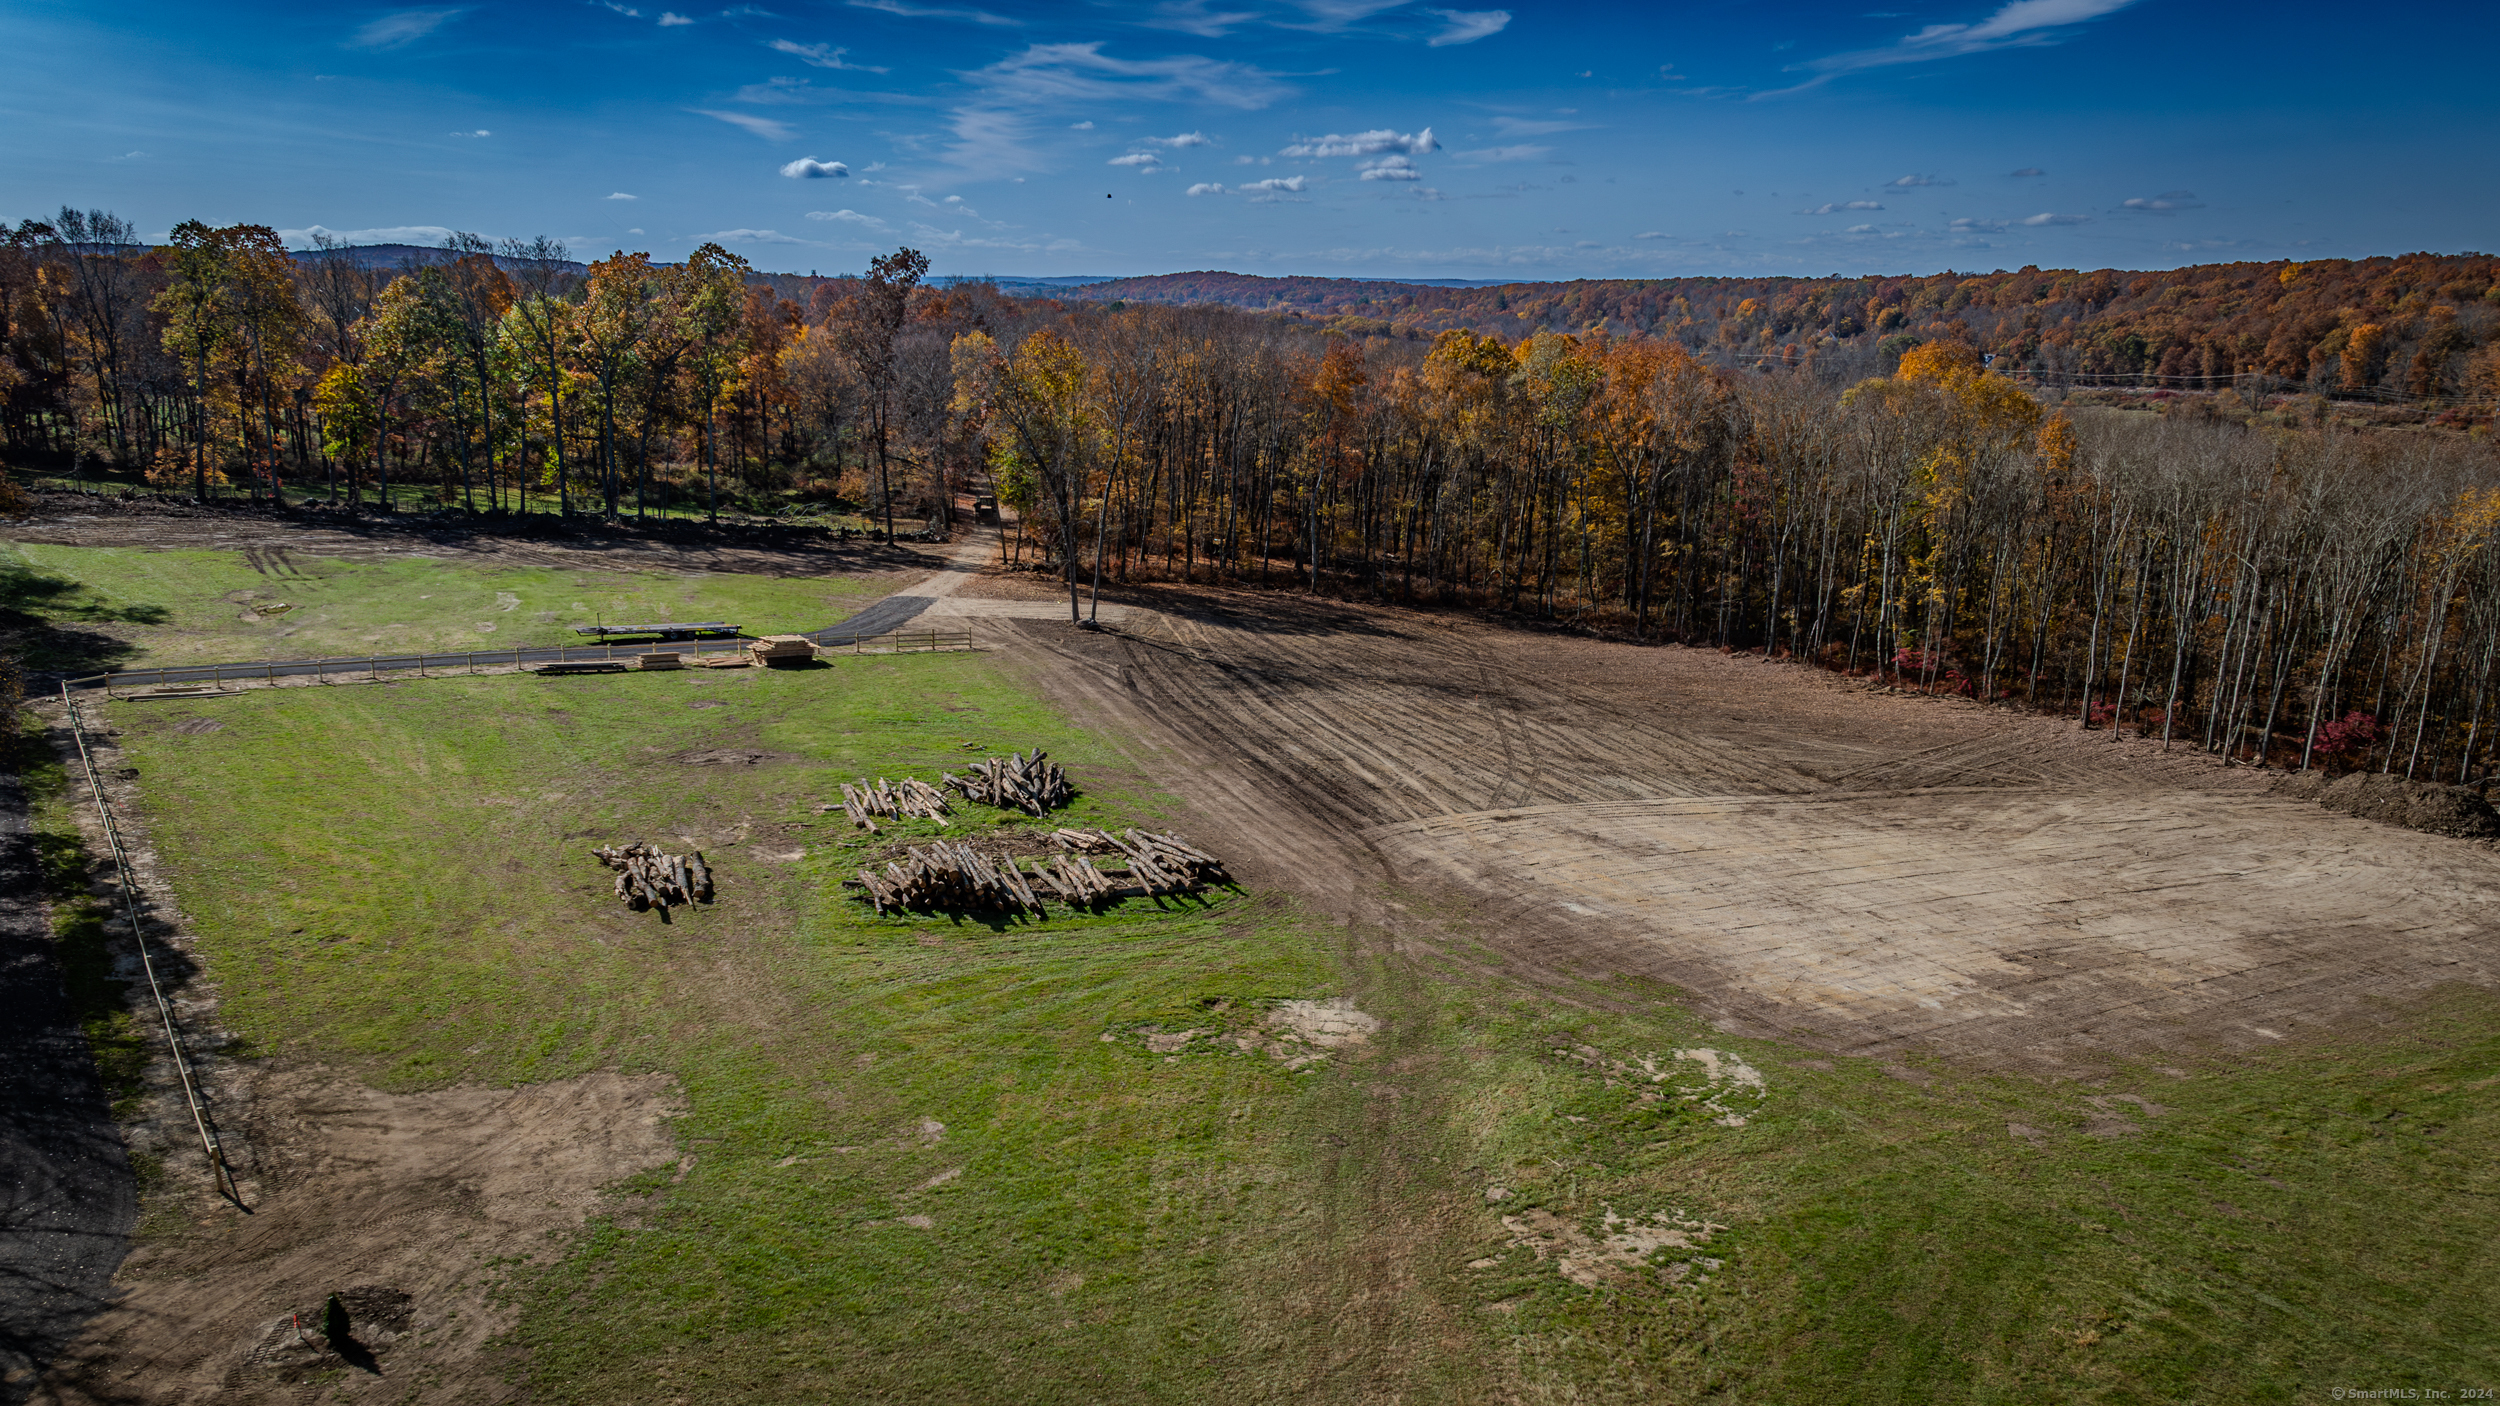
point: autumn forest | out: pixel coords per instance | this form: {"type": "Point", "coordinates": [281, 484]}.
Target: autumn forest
{"type": "Point", "coordinates": [2248, 508]}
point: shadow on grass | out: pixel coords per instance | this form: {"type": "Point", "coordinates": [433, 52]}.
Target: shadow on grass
{"type": "Point", "coordinates": [41, 616]}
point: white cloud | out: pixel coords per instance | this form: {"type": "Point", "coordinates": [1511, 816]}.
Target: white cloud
{"type": "Point", "coordinates": [795, 92]}
{"type": "Point", "coordinates": [669, 19]}
{"type": "Point", "coordinates": [822, 56]}
{"type": "Point", "coordinates": [1521, 152]}
{"type": "Point", "coordinates": [1391, 168]}
{"type": "Point", "coordinates": [1143, 160]}
{"type": "Point", "coordinates": [1193, 17]}
{"type": "Point", "coordinates": [1208, 188]}
{"type": "Point", "coordinates": [1859, 229]}
{"type": "Point", "coordinates": [808, 168]}
{"type": "Point", "coordinates": [1272, 184]}
{"type": "Point", "coordinates": [849, 217]}
{"type": "Point", "coordinates": [754, 236]}
{"type": "Point", "coordinates": [633, 231]}
{"type": "Point", "coordinates": [627, 11]}
{"type": "Point", "coordinates": [1051, 73]}
{"type": "Point", "coordinates": [763, 127]}
{"type": "Point", "coordinates": [620, 195]}
{"type": "Point", "coordinates": [1467, 26]}
{"type": "Point", "coordinates": [1080, 126]}
{"type": "Point", "coordinates": [922, 12]}
{"type": "Point", "coordinates": [480, 132]}
{"type": "Point", "coordinates": [2050, 217]}
{"type": "Point", "coordinates": [1968, 224]}
{"type": "Point", "coordinates": [1913, 182]}
{"type": "Point", "coordinates": [1835, 207]}
{"type": "Point", "coordinates": [2020, 24]}
{"type": "Point", "coordinates": [1651, 234]}
{"type": "Point", "coordinates": [1372, 143]}
{"type": "Point", "coordinates": [2165, 203]}
{"type": "Point", "coordinates": [1185, 139]}
{"type": "Point", "coordinates": [400, 27]}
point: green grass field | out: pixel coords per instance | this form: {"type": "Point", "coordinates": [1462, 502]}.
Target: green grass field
{"type": "Point", "coordinates": [85, 609]}
{"type": "Point", "coordinates": [391, 879]}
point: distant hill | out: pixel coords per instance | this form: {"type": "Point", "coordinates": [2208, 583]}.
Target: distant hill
{"type": "Point", "coordinates": [406, 256]}
{"type": "Point", "coordinates": [2419, 324]}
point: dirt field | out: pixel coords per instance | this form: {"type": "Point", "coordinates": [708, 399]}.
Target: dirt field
{"type": "Point", "coordinates": [1866, 871]}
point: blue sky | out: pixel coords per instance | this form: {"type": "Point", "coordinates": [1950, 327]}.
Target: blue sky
{"type": "Point", "coordinates": [1334, 137]}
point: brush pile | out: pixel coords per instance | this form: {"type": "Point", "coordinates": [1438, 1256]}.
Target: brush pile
{"type": "Point", "coordinates": [646, 878]}
{"type": "Point", "coordinates": [917, 798]}
{"type": "Point", "coordinates": [1158, 863]}
{"type": "Point", "coordinates": [1032, 784]}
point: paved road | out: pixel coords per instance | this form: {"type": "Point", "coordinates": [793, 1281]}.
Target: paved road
{"type": "Point", "coordinates": [67, 1198]}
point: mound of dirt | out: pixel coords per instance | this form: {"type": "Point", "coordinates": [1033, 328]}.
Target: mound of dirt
{"type": "Point", "coordinates": [2427, 806]}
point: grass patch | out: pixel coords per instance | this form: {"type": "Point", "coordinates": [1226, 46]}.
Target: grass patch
{"type": "Point", "coordinates": [922, 1172]}
{"type": "Point", "coordinates": [98, 999]}
{"type": "Point", "coordinates": [90, 608]}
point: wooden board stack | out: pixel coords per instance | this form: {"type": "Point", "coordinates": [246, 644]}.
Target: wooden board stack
{"type": "Point", "coordinates": [912, 797]}
{"type": "Point", "coordinates": [658, 659]}
{"type": "Point", "coordinates": [1032, 784]}
{"type": "Point", "coordinates": [783, 649]}
{"type": "Point", "coordinates": [646, 878]}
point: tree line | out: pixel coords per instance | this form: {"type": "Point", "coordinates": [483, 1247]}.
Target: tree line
{"type": "Point", "coordinates": [2244, 575]}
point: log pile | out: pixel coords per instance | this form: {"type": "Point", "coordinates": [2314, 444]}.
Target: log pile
{"type": "Point", "coordinates": [949, 876]}
{"type": "Point", "coordinates": [1160, 863]}
{"type": "Point", "coordinates": [912, 797]}
{"type": "Point", "coordinates": [1032, 784]}
{"type": "Point", "coordinates": [646, 878]}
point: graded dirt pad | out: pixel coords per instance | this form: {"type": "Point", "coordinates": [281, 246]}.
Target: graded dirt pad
{"type": "Point", "coordinates": [1866, 871]}
{"type": "Point", "coordinates": [400, 1203]}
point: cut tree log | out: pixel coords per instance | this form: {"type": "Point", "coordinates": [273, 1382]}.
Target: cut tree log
{"type": "Point", "coordinates": [1033, 784]}
{"type": "Point", "coordinates": [647, 878]}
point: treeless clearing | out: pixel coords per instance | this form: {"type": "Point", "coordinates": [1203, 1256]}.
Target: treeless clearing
{"type": "Point", "coordinates": [1868, 871]}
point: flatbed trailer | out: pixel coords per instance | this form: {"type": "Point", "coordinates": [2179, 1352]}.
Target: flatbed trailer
{"type": "Point", "coordinates": [704, 630]}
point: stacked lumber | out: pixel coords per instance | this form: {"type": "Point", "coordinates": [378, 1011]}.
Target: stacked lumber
{"type": "Point", "coordinates": [1159, 863]}
{"type": "Point", "coordinates": [912, 797]}
{"type": "Point", "coordinates": [949, 876]}
{"type": "Point", "coordinates": [783, 649]}
{"type": "Point", "coordinates": [726, 661]}
{"type": "Point", "coordinates": [657, 659]}
{"type": "Point", "coordinates": [646, 878]}
{"type": "Point", "coordinates": [1033, 784]}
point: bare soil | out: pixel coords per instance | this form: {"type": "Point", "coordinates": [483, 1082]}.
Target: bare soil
{"type": "Point", "coordinates": [1867, 871]}
{"type": "Point", "coordinates": [403, 1204]}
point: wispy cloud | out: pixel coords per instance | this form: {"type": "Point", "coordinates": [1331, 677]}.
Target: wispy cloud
{"type": "Point", "coordinates": [1144, 161]}
{"type": "Point", "coordinates": [1523, 151]}
{"type": "Point", "coordinates": [849, 217]}
{"type": "Point", "coordinates": [794, 92]}
{"type": "Point", "coordinates": [1181, 140]}
{"type": "Point", "coordinates": [2020, 24]}
{"type": "Point", "coordinates": [670, 19]}
{"type": "Point", "coordinates": [1537, 126]}
{"type": "Point", "coordinates": [1915, 182]}
{"type": "Point", "coordinates": [808, 168]}
{"type": "Point", "coordinates": [2051, 217]}
{"type": "Point", "coordinates": [620, 195]}
{"type": "Point", "coordinates": [1971, 224]}
{"type": "Point", "coordinates": [2169, 201]}
{"type": "Point", "coordinates": [400, 27]}
{"type": "Point", "coordinates": [822, 56]}
{"type": "Point", "coordinates": [480, 132]}
{"type": "Point", "coordinates": [1193, 17]}
{"type": "Point", "coordinates": [1467, 26]}
{"type": "Point", "coordinates": [1330, 16]}
{"type": "Point", "coordinates": [1372, 143]}
{"type": "Point", "coordinates": [753, 236]}
{"type": "Point", "coordinates": [1083, 73]}
{"type": "Point", "coordinates": [1837, 206]}
{"type": "Point", "coordinates": [924, 12]}
{"type": "Point", "coordinates": [764, 127]}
